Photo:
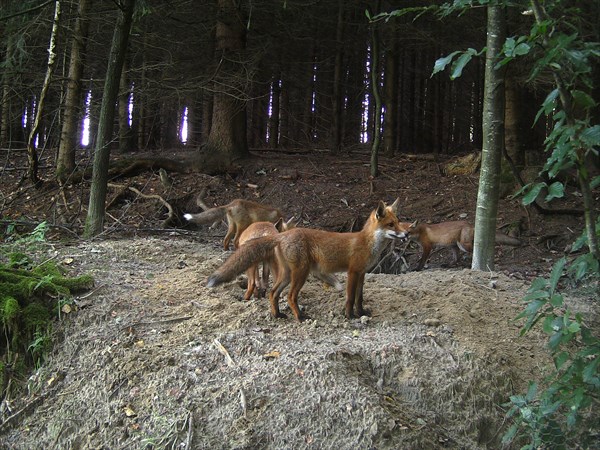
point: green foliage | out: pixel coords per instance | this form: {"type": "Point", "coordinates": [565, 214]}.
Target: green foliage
{"type": "Point", "coordinates": [556, 415]}
{"type": "Point", "coordinates": [564, 409]}
{"type": "Point", "coordinates": [31, 297]}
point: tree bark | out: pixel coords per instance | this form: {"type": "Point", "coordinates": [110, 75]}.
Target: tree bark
{"type": "Point", "coordinates": [227, 140]}
{"type": "Point", "coordinates": [493, 132]}
{"type": "Point", "coordinates": [377, 101]}
{"type": "Point", "coordinates": [337, 100]}
{"type": "Point", "coordinates": [65, 163]}
{"type": "Point", "coordinates": [32, 156]}
{"type": "Point", "coordinates": [95, 218]}
{"type": "Point", "coordinates": [390, 88]}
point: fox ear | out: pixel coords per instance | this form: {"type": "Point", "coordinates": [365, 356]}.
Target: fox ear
{"type": "Point", "coordinates": [380, 212]}
{"type": "Point", "coordinates": [290, 223]}
{"type": "Point", "coordinates": [394, 206]}
{"type": "Point", "coordinates": [414, 224]}
{"type": "Point", "coordinates": [279, 224]}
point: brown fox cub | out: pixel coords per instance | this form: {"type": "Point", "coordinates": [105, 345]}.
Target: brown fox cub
{"type": "Point", "coordinates": [258, 285]}
{"type": "Point", "coordinates": [458, 235]}
{"type": "Point", "coordinates": [240, 214]}
{"type": "Point", "coordinates": [301, 251]}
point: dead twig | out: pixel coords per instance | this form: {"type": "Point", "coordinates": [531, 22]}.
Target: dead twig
{"type": "Point", "coordinates": [171, 215]}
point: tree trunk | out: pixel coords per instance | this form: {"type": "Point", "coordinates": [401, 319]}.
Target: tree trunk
{"type": "Point", "coordinates": [125, 140]}
{"type": "Point", "coordinates": [377, 100]}
{"type": "Point", "coordinates": [390, 88]}
{"type": "Point", "coordinates": [65, 163]}
{"type": "Point", "coordinates": [337, 100]}
{"type": "Point", "coordinates": [227, 140]}
{"type": "Point", "coordinates": [32, 156]}
{"type": "Point", "coordinates": [95, 218]}
{"type": "Point", "coordinates": [493, 132]}
{"type": "Point", "coordinates": [275, 112]}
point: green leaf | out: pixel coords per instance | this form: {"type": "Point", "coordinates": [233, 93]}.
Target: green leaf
{"type": "Point", "coordinates": [590, 372]}
{"type": "Point", "coordinates": [441, 63]}
{"type": "Point", "coordinates": [583, 100]}
{"type": "Point", "coordinates": [522, 49]}
{"type": "Point", "coordinates": [555, 190]}
{"type": "Point", "coordinates": [557, 271]}
{"type": "Point", "coordinates": [556, 300]}
{"type": "Point", "coordinates": [533, 193]}
{"type": "Point", "coordinates": [461, 62]}
{"type": "Point", "coordinates": [591, 136]}
{"type": "Point", "coordinates": [560, 359]}
{"type": "Point", "coordinates": [531, 391]}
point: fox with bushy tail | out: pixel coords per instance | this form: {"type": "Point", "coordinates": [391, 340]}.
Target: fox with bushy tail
{"type": "Point", "coordinates": [239, 213]}
{"type": "Point", "coordinates": [302, 251]}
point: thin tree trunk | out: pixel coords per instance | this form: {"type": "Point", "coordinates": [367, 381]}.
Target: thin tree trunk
{"type": "Point", "coordinates": [336, 101]}
{"type": "Point", "coordinates": [32, 156]}
{"type": "Point", "coordinates": [390, 87]}
{"type": "Point", "coordinates": [65, 164]}
{"type": "Point", "coordinates": [377, 100]}
{"type": "Point", "coordinates": [493, 132]}
{"type": "Point", "coordinates": [275, 112]}
{"type": "Point", "coordinates": [95, 218]}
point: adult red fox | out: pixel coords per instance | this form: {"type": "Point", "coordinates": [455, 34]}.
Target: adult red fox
{"type": "Point", "coordinates": [457, 234]}
{"type": "Point", "coordinates": [240, 214]}
{"type": "Point", "coordinates": [301, 251]}
{"type": "Point", "coordinates": [258, 285]}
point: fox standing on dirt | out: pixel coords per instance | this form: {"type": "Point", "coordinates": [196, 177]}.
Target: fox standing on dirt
{"type": "Point", "coordinates": [301, 251]}
{"type": "Point", "coordinates": [240, 214]}
{"type": "Point", "coordinates": [458, 235]}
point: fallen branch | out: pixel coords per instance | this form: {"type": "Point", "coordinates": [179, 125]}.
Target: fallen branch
{"type": "Point", "coordinates": [167, 221]}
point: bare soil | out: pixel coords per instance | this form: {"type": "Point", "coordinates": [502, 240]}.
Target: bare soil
{"type": "Point", "coordinates": [151, 358]}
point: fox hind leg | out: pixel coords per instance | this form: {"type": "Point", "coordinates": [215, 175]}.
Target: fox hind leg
{"type": "Point", "coordinates": [298, 279]}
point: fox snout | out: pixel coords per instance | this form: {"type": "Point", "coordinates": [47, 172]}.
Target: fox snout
{"type": "Point", "coordinates": [400, 236]}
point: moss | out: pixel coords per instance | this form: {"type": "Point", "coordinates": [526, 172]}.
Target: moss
{"type": "Point", "coordinates": [9, 309]}
{"type": "Point", "coordinates": [36, 318]}
{"type": "Point", "coordinates": [30, 297]}
{"type": "Point", "coordinates": [18, 259]}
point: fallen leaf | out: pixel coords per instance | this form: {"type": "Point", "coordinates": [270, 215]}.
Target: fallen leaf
{"type": "Point", "coordinates": [272, 355]}
{"type": "Point", "coordinates": [129, 412]}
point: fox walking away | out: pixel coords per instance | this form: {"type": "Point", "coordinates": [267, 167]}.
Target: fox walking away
{"type": "Point", "coordinates": [301, 251]}
{"type": "Point", "coordinates": [239, 214]}
{"type": "Point", "coordinates": [458, 235]}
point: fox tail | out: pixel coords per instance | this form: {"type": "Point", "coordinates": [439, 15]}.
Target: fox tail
{"type": "Point", "coordinates": [252, 252]}
{"type": "Point", "coordinates": [211, 215]}
{"type": "Point", "coordinates": [504, 239]}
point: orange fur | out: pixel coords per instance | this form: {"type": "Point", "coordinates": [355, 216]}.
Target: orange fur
{"type": "Point", "coordinates": [301, 251]}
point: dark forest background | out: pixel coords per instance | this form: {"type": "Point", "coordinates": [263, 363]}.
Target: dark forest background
{"type": "Point", "coordinates": [303, 77]}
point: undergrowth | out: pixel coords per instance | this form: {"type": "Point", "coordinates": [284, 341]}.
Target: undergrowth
{"type": "Point", "coordinates": [33, 289]}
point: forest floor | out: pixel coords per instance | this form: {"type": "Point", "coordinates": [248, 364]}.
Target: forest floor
{"type": "Point", "coordinates": [151, 358]}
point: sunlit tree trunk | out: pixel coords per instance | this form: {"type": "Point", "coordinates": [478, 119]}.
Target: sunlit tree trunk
{"type": "Point", "coordinates": [275, 112]}
{"type": "Point", "coordinates": [96, 209]}
{"type": "Point", "coordinates": [65, 163]}
{"type": "Point", "coordinates": [493, 132]}
{"type": "Point", "coordinates": [32, 155]}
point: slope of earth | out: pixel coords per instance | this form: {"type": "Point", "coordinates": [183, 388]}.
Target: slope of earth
{"type": "Point", "coordinates": [151, 358]}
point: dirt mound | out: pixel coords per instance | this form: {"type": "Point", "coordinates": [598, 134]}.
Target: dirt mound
{"type": "Point", "coordinates": [154, 359]}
